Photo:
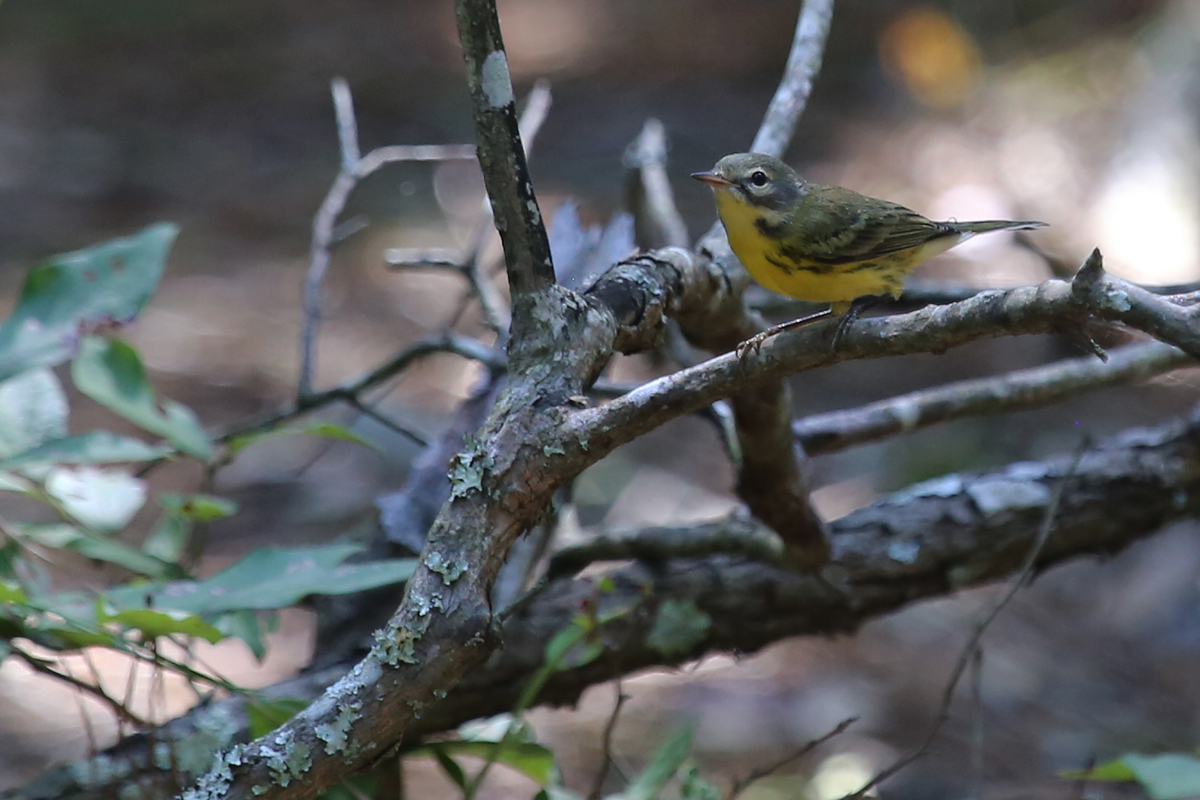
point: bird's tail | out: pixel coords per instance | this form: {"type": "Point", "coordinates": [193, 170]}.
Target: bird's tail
{"type": "Point", "coordinates": [987, 225]}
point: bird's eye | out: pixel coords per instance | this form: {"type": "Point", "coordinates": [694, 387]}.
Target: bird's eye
{"type": "Point", "coordinates": [758, 178]}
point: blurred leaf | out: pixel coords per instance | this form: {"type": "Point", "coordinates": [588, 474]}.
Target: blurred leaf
{"type": "Point", "coordinates": [168, 541]}
{"type": "Point", "coordinates": [695, 786]}
{"type": "Point", "coordinates": [154, 624]}
{"type": "Point", "coordinates": [169, 538]}
{"type": "Point", "coordinates": [270, 578]}
{"type": "Point", "coordinates": [267, 715]}
{"type": "Point", "coordinates": [1168, 776]}
{"type": "Point", "coordinates": [33, 410]}
{"type": "Point", "coordinates": [61, 536]}
{"type": "Point", "coordinates": [12, 593]}
{"type": "Point", "coordinates": [77, 292]}
{"type": "Point", "coordinates": [453, 771]}
{"type": "Point", "coordinates": [325, 430]}
{"type": "Point", "coordinates": [244, 625]}
{"type": "Point", "coordinates": [662, 767]}
{"type": "Point", "coordinates": [105, 499]}
{"type": "Point", "coordinates": [111, 373]}
{"type": "Point", "coordinates": [678, 627]}
{"type": "Point", "coordinates": [10, 482]}
{"type": "Point", "coordinates": [530, 759]}
{"type": "Point", "coordinates": [93, 447]}
{"type": "Point", "coordinates": [1110, 771]}
{"type": "Point", "coordinates": [199, 507]}
{"type": "Point", "coordinates": [564, 640]}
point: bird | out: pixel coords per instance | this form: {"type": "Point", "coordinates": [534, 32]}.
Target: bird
{"type": "Point", "coordinates": [825, 244]}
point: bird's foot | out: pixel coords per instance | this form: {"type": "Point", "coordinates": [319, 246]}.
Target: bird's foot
{"type": "Point", "coordinates": [754, 343]}
{"type": "Point", "coordinates": [859, 305]}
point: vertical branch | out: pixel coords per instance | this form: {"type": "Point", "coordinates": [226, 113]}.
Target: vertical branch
{"type": "Point", "coordinates": [803, 64]}
{"type": "Point", "coordinates": [502, 158]}
{"type": "Point", "coordinates": [657, 222]}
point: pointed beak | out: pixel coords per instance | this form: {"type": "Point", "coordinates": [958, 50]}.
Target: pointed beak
{"type": "Point", "coordinates": [711, 178]}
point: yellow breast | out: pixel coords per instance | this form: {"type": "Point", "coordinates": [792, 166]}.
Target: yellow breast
{"type": "Point", "coordinates": [812, 280]}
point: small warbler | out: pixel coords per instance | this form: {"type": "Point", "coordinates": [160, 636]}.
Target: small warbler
{"type": "Point", "coordinates": [824, 243]}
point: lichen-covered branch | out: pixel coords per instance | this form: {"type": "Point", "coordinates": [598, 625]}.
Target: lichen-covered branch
{"type": "Point", "coordinates": [502, 158]}
{"type": "Point", "coordinates": [1012, 391]}
{"type": "Point", "coordinates": [927, 541]}
{"type": "Point", "coordinates": [1175, 320]}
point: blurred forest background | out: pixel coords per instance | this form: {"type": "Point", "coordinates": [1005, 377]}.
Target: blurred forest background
{"type": "Point", "coordinates": [216, 115]}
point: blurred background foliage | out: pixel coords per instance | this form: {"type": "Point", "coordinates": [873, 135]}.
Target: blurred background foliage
{"type": "Point", "coordinates": [216, 115]}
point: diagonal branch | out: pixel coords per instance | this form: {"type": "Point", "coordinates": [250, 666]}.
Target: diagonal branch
{"type": "Point", "coordinates": [803, 64]}
{"type": "Point", "coordinates": [502, 158]}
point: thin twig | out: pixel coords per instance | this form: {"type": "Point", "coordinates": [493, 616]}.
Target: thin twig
{"type": "Point", "coordinates": [803, 64]}
{"type": "Point", "coordinates": [606, 743]}
{"type": "Point", "coordinates": [120, 709]}
{"type": "Point", "coordinates": [977, 725]}
{"type": "Point", "coordinates": [965, 658]}
{"type": "Point", "coordinates": [395, 427]}
{"type": "Point", "coordinates": [353, 169]}
{"type": "Point", "coordinates": [758, 774]}
{"type": "Point", "coordinates": [1011, 391]}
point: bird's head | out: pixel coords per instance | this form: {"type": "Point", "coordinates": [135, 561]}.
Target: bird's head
{"type": "Point", "coordinates": [757, 179]}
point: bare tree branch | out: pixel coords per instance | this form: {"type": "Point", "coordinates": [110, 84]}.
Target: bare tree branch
{"type": "Point", "coordinates": [353, 170]}
{"type": "Point", "coordinates": [1012, 391]}
{"type": "Point", "coordinates": [803, 64]}
{"type": "Point", "coordinates": [502, 158]}
{"type": "Point", "coordinates": [648, 196]}
{"type": "Point", "coordinates": [1115, 299]}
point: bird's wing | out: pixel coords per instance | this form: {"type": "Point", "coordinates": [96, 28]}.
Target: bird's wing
{"type": "Point", "coordinates": [841, 226]}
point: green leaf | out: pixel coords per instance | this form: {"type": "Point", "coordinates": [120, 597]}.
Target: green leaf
{"type": "Point", "coordinates": [326, 430]}
{"type": "Point", "coordinates": [154, 624]}
{"type": "Point", "coordinates": [662, 767]}
{"type": "Point", "coordinates": [270, 578]}
{"type": "Point", "coordinates": [199, 507]}
{"type": "Point", "coordinates": [33, 410]}
{"type": "Point", "coordinates": [111, 373]}
{"type": "Point", "coordinates": [1109, 771]}
{"type": "Point", "coordinates": [104, 499]}
{"type": "Point", "coordinates": [93, 447]}
{"type": "Point", "coordinates": [61, 536]}
{"type": "Point", "coordinates": [168, 541]}
{"type": "Point", "coordinates": [449, 766]}
{"type": "Point", "coordinates": [529, 758]}
{"type": "Point", "coordinates": [695, 786]}
{"type": "Point", "coordinates": [678, 627]}
{"type": "Point", "coordinates": [81, 291]}
{"type": "Point", "coordinates": [169, 538]}
{"type": "Point", "coordinates": [267, 715]}
{"type": "Point", "coordinates": [1169, 776]}
{"type": "Point", "coordinates": [11, 482]}
{"type": "Point", "coordinates": [11, 593]}
{"type": "Point", "coordinates": [247, 626]}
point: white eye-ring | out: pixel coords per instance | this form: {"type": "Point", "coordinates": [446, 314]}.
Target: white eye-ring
{"type": "Point", "coordinates": [758, 178]}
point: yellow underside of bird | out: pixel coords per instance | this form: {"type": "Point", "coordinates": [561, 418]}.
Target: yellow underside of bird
{"type": "Point", "coordinates": [820, 281]}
